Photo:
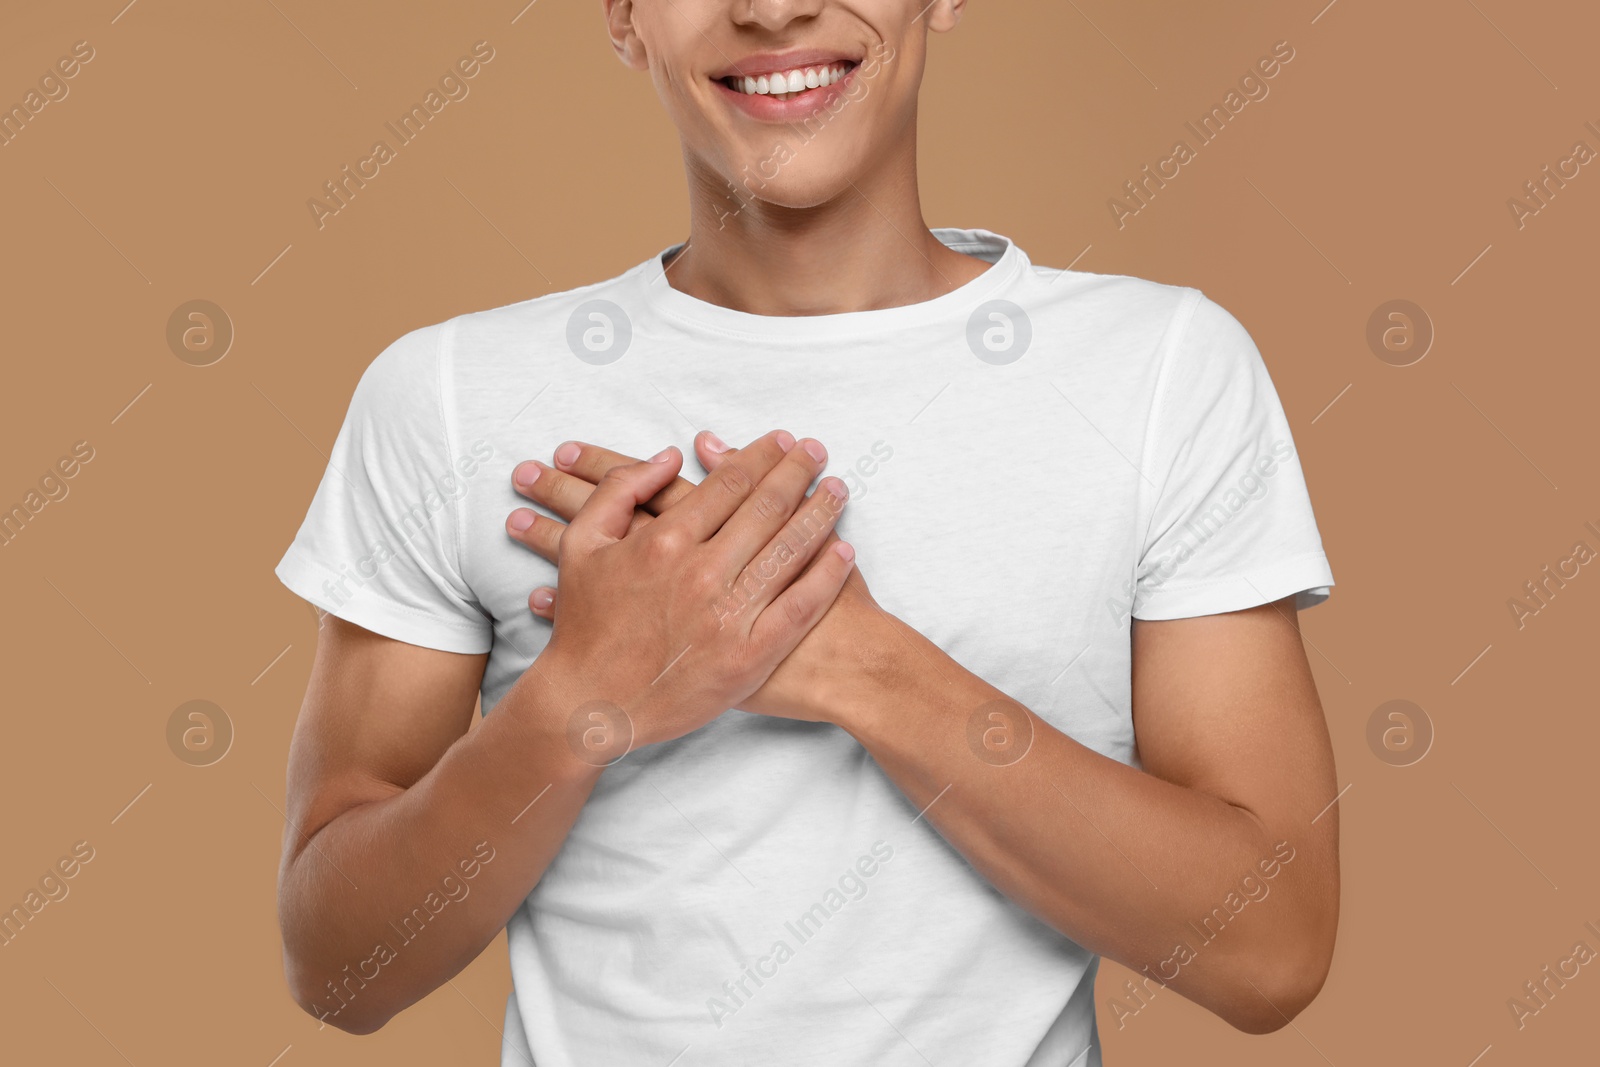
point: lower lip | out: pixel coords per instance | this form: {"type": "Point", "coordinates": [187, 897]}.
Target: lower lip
{"type": "Point", "coordinates": [770, 109]}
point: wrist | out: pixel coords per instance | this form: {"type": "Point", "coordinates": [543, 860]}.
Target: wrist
{"type": "Point", "coordinates": [881, 669]}
{"type": "Point", "coordinates": [907, 691]}
{"type": "Point", "coordinates": [561, 717]}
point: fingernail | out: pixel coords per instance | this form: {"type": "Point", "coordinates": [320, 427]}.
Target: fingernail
{"type": "Point", "coordinates": [785, 440]}
{"type": "Point", "coordinates": [838, 490]}
{"type": "Point", "coordinates": [662, 456]}
{"type": "Point", "coordinates": [567, 455]}
{"type": "Point", "coordinates": [521, 519]}
{"type": "Point", "coordinates": [526, 474]}
{"type": "Point", "coordinates": [815, 451]}
{"type": "Point", "coordinates": [542, 598]}
{"type": "Point", "coordinates": [715, 443]}
{"type": "Point", "coordinates": [846, 553]}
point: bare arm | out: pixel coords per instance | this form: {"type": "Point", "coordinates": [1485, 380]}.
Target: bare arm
{"type": "Point", "coordinates": [411, 841]}
{"type": "Point", "coordinates": [1204, 872]}
{"type": "Point", "coordinates": [1146, 867]}
{"type": "Point", "coordinates": [388, 796]}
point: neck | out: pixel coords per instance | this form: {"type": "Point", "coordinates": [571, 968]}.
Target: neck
{"type": "Point", "coordinates": [865, 249]}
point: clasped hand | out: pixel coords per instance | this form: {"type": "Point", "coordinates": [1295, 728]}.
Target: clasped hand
{"type": "Point", "coordinates": [677, 601]}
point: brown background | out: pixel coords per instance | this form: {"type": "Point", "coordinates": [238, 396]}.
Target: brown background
{"type": "Point", "coordinates": [179, 167]}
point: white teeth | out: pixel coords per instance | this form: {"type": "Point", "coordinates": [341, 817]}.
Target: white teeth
{"type": "Point", "coordinates": [784, 84]}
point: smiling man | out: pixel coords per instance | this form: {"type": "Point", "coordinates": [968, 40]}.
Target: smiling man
{"type": "Point", "coordinates": [771, 777]}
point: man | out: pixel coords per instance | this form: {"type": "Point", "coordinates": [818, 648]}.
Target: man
{"type": "Point", "coordinates": [792, 780]}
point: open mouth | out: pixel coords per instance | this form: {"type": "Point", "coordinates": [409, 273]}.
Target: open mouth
{"type": "Point", "coordinates": [788, 84]}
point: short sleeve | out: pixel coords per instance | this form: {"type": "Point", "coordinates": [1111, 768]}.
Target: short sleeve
{"type": "Point", "coordinates": [1231, 525]}
{"type": "Point", "coordinates": [379, 545]}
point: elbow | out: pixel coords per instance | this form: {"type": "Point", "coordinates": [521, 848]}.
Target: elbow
{"type": "Point", "coordinates": [343, 999]}
{"type": "Point", "coordinates": [1266, 1018]}
{"type": "Point", "coordinates": [334, 1005]}
{"type": "Point", "coordinates": [1287, 968]}
{"type": "Point", "coordinates": [1269, 1002]}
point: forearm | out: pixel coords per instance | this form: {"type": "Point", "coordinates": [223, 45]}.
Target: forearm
{"type": "Point", "coordinates": [1126, 864]}
{"type": "Point", "coordinates": [393, 897]}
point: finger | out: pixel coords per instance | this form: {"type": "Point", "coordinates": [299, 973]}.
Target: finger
{"type": "Point", "coordinates": [538, 532]}
{"type": "Point", "coordinates": [543, 534]}
{"type": "Point", "coordinates": [782, 562]}
{"type": "Point", "coordinates": [561, 493]}
{"type": "Point", "coordinates": [711, 503]}
{"type": "Point", "coordinates": [608, 513]}
{"type": "Point", "coordinates": [711, 450]}
{"type": "Point", "coordinates": [771, 506]}
{"type": "Point", "coordinates": [784, 622]}
{"type": "Point", "coordinates": [589, 463]}
{"type": "Point", "coordinates": [542, 602]}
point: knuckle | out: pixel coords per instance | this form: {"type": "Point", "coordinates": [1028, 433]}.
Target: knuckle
{"type": "Point", "coordinates": [767, 506]}
{"type": "Point", "coordinates": [796, 612]}
{"type": "Point", "coordinates": [616, 476]}
{"type": "Point", "coordinates": [808, 524]}
{"type": "Point", "coordinates": [744, 658]}
{"type": "Point", "coordinates": [704, 584]}
{"type": "Point", "coordinates": [664, 540]}
{"type": "Point", "coordinates": [735, 481]}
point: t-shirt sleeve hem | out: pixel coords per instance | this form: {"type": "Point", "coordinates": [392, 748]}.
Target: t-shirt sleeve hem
{"type": "Point", "coordinates": [1308, 577]}
{"type": "Point", "coordinates": [305, 579]}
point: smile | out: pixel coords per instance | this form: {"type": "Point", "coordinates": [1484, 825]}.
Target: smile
{"type": "Point", "coordinates": [787, 84]}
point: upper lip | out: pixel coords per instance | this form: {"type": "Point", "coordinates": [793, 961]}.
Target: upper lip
{"type": "Point", "coordinates": [759, 63]}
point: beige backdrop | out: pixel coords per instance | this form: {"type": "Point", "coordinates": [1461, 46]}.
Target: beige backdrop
{"type": "Point", "coordinates": [178, 166]}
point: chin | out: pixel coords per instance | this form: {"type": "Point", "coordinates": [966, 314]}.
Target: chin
{"type": "Point", "coordinates": [807, 177]}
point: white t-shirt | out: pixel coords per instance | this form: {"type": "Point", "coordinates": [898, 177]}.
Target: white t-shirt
{"type": "Point", "coordinates": [1033, 458]}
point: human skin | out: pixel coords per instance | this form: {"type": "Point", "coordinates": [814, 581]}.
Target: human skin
{"type": "Point", "coordinates": [387, 794]}
{"type": "Point", "coordinates": [1234, 748]}
{"type": "Point", "coordinates": [1236, 760]}
{"type": "Point", "coordinates": [388, 788]}
{"type": "Point", "coordinates": [838, 225]}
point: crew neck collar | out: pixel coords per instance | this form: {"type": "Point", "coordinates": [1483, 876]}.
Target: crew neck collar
{"type": "Point", "coordinates": [1007, 263]}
